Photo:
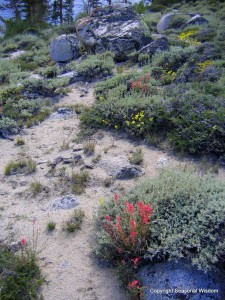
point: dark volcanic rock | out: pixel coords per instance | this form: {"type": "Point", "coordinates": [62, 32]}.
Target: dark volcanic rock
{"type": "Point", "coordinates": [171, 280]}
{"type": "Point", "coordinates": [160, 44]}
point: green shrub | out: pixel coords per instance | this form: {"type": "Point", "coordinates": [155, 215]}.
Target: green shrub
{"type": "Point", "coordinates": [187, 220]}
{"type": "Point", "coordinates": [14, 27]}
{"type": "Point", "coordinates": [36, 188]}
{"type": "Point", "coordinates": [51, 226]}
{"type": "Point", "coordinates": [8, 125]}
{"type": "Point", "coordinates": [19, 142]}
{"type": "Point", "coordinates": [140, 7]}
{"type": "Point", "coordinates": [49, 72]}
{"type": "Point", "coordinates": [23, 166]}
{"type": "Point", "coordinates": [75, 222]}
{"type": "Point", "coordinates": [177, 21]}
{"type": "Point", "coordinates": [157, 8]}
{"type": "Point", "coordinates": [152, 19]}
{"type": "Point", "coordinates": [89, 148]}
{"type": "Point", "coordinates": [79, 181]}
{"type": "Point", "coordinates": [20, 276]}
{"type": "Point", "coordinates": [137, 157]}
{"type": "Point", "coordinates": [96, 66]}
{"type": "Point", "coordinates": [7, 67]}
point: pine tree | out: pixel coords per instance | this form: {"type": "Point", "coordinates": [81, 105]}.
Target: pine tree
{"type": "Point", "coordinates": [68, 6]}
{"type": "Point", "coordinates": [55, 12]}
{"type": "Point", "coordinates": [35, 10]}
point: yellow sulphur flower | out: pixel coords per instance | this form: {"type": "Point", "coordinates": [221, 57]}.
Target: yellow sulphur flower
{"type": "Point", "coordinates": [101, 201]}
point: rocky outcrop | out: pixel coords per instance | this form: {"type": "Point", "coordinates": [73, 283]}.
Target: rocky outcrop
{"type": "Point", "coordinates": [64, 48]}
{"type": "Point", "coordinates": [196, 20]}
{"type": "Point", "coordinates": [113, 28]}
{"type": "Point", "coordinates": [160, 44]}
{"type": "Point", "coordinates": [66, 202]}
{"type": "Point", "coordinates": [120, 168]}
{"type": "Point", "coordinates": [164, 22]}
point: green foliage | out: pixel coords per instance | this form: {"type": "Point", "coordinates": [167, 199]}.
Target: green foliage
{"type": "Point", "coordinates": [89, 148]}
{"type": "Point", "coordinates": [75, 222]}
{"type": "Point", "coordinates": [8, 125]}
{"type": "Point", "coordinates": [137, 157]}
{"type": "Point", "coordinates": [157, 8]}
{"type": "Point", "coordinates": [190, 115]}
{"type": "Point", "coordinates": [19, 142]}
{"type": "Point", "coordinates": [187, 220]}
{"type": "Point", "coordinates": [140, 7]}
{"type": "Point", "coordinates": [79, 181]}
{"type": "Point", "coordinates": [7, 67]}
{"type": "Point", "coordinates": [51, 226]}
{"type": "Point", "coordinates": [36, 188]}
{"type": "Point", "coordinates": [177, 21]}
{"type": "Point", "coordinates": [14, 27]}
{"type": "Point", "coordinates": [23, 166]}
{"type": "Point", "coordinates": [96, 66]}
{"type": "Point", "coordinates": [152, 19]}
{"type": "Point", "coordinates": [49, 72]}
{"type": "Point", "coordinates": [20, 276]}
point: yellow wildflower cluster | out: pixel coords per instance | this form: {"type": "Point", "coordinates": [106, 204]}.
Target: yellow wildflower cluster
{"type": "Point", "coordinates": [101, 99]}
{"type": "Point", "coordinates": [186, 37]}
{"type": "Point", "coordinates": [203, 65]}
{"type": "Point", "coordinates": [136, 120]}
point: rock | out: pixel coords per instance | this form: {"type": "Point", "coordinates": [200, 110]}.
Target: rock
{"type": "Point", "coordinates": [87, 166]}
{"type": "Point", "coordinates": [73, 76]}
{"type": "Point", "coordinates": [197, 19]}
{"type": "Point", "coordinates": [114, 28]}
{"type": "Point", "coordinates": [36, 76]}
{"type": "Point", "coordinates": [62, 112]}
{"type": "Point", "coordinates": [120, 168]}
{"type": "Point", "coordinates": [162, 162]}
{"type": "Point", "coordinates": [171, 280]}
{"type": "Point", "coordinates": [160, 44]}
{"type": "Point", "coordinates": [66, 202]}
{"type": "Point", "coordinates": [78, 148]}
{"type": "Point", "coordinates": [64, 48]}
{"type": "Point", "coordinates": [16, 54]}
{"type": "Point", "coordinates": [164, 22]}
{"type": "Point", "coordinates": [68, 160]}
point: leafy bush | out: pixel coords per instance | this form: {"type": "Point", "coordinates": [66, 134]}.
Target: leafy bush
{"type": "Point", "coordinates": [157, 8]}
{"type": "Point", "coordinates": [44, 87]}
{"type": "Point", "coordinates": [79, 181]}
{"type": "Point", "coordinates": [20, 276]}
{"type": "Point", "coordinates": [75, 222]}
{"type": "Point", "coordinates": [177, 21]}
{"type": "Point", "coordinates": [187, 219]}
{"type": "Point", "coordinates": [190, 115]}
{"type": "Point", "coordinates": [7, 67]}
{"type": "Point", "coordinates": [8, 125]}
{"type": "Point", "coordinates": [96, 66]}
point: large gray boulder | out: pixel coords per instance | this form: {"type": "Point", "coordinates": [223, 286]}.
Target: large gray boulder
{"type": "Point", "coordinates": [114, 28]}
{"type": "Point", "coordinates": [64, 48]}
{"type": "Point", "coordinates": [164, 22]}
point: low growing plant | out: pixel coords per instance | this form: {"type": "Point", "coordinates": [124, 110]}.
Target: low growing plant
{"type": "Point", "coordinates": [75, 222]}
{"type": "Point", "coordinates": [24, 166]}
{"type": "Point", "coordinates": [20, 275]}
